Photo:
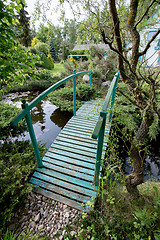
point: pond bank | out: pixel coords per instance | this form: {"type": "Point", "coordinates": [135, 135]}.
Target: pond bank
{"type": "Point", "coordinates": [47, 118]}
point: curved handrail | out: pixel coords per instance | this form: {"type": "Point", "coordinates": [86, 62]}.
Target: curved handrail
{"type": "Point", "coordinates": [111, 89]}
{"type": "Point", "coordinates": [27, 107]}
{"type": "Point", "coordinates": [44, 94]}
{"type": "Point", "coordinates": [99, 129]}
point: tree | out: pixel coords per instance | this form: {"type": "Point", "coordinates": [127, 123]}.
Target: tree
{"type": "Point", "coordinates": [117, 24]}
{"type": "Point", "coordinates": [24, 33]}
{"type": "Point", "coordinates": [15, 62]}
{"type": "Point", "coordinates": [53, 51]}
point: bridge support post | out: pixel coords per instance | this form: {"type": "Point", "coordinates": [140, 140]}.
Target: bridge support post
{"type": "Point", "coordinates": [99, 148]}
{"type": "Point", "coordinates": [113, 95]}
{"type": "Point", "coordinates": [90, 78]}
{"type": "Point", "coordinates": [74, 94]}
{"type": "Point", "coordinates": [32, 134]}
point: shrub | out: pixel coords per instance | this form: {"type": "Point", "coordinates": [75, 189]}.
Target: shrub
{"type": "Point", "coordinates": [64, 97]}
{"type": "Point", "coordinates": [7, 113]}
{"type": "Point", "coordinates": [17, 162]}
{"type": "Point", "coordinates": [80, 52]}
{"type": "Point", "coordinates": [34, 42]}
{"type": "Point", "coordinates": [42, 47]}
{"type": "Point", "coordinates": [51, 61]}
{"type": "Point", "coordinates": [45, 62]}
{"type": "Point", "coordinates": [42, 80]}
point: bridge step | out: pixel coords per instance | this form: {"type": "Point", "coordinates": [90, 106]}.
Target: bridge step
{"type": "Point", "coordinates": [69, 164]}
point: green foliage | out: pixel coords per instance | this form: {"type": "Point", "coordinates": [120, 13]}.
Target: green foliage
{"type": "Point", "coordinates": [34, 42]}
{"type": "Point", "coordinates": [7, 113]}
{"type": "Point", "coordinates": [17, 162]}
{"type": "Point", "coordinates": [15, 62]}
{"type": "Point", "coordinates": [65, 52]}
{"type": "Point", "coordinates": [9, 235]}
{"type": "Point", "coordinates": [118, 218]}
{"type": "Point", "coordinates": [42, 47]}
{"type": "Point", "coordinates": [52, 50]}
{"type": "Point", "coordinates": [41, 80]}
{"type": "Point", "coordinates": [51, 61]}
{"type": "Point", "coordinates": [80, 52]}
{"type": "Point", "coordinates": [23, 30]}
{"type": "Point", "coordinates": [45, 62]}
{"type": "Point", "coordinates": [64, 97]}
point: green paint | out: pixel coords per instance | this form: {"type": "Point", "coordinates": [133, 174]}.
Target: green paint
{"type": "Point", "coordinates": [31, 133]}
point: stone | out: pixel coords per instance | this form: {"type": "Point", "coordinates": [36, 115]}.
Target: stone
{"type": "Point", "coordinates": [45, 213]}
{"type": "Point", "coordinates": [37, 218]}
{"type": "Point", "coordinates": [86, 78]}
{"type": "Point", "coordinates": [32, 224]}
{"type": "Point", "coordinates": [40, 227]}
{"type": "Point", "coordinates": [105, 84]}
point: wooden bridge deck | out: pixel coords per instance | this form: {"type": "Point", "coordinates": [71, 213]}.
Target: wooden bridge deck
{"type": "Point", "coordinates": [69, 164]}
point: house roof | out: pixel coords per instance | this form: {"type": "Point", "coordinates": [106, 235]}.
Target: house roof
{"type": "Point", "coordinates": [87, 46]}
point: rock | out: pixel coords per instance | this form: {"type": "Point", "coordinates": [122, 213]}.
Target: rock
{"type": "Point", "coordinates": [105, 84]}
{"type": "Point", "coordinates": [45, 213]}
{"type": "Point", "coordinates": [86, 78]}
{"type": "Point", "coordinates": [41, 211]}
{"type": "Point", "coordinates": [37, 218]}
{"type": "Point", "coordinates": [40, 227]}
{"type": "Point", "coordinates": [32, 224]}
{"type": "Point", "coordinates": [61, 237]}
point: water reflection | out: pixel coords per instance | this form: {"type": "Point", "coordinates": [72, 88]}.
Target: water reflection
{"type": "Point", "coordinates": [47, 118]}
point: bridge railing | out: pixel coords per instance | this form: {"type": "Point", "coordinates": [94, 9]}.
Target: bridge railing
{"type": "Point", "coordinates": [99, 129]}
{"type": "Point", "coordinates": [25, 113]}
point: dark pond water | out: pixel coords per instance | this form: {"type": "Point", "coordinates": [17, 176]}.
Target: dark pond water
{"type": "Point", "coordinates": [151, 163]}
{"type": "Point", "coordinates": [47, 118]}
{"type": "Point", "coordinates": [48, 121]}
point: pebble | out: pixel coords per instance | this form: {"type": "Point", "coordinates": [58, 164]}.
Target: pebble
{"type": "Point", "coordinates": [47, 215]}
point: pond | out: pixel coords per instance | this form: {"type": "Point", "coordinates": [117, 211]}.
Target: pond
{"type": "Point", "coordinates": [48, 121]}
{"type": "Point", "coordinates": [47, 118]}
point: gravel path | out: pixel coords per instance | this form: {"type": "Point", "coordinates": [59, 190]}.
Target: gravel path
{"type": "Point", "coordinates": [46, 215]}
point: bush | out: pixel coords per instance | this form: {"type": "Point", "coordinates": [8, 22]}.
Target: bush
{"type": "Point", "coordinates": [34, 42]}
{"type": "Point", "coordinates": [64, 97]}
{"type": "Point", "coordinates": [42, 47]}
{"type": "Point", "coordinates": [7, 113]}
{"type": "Point", "coordinates": [80, 52]}
{"type": "Point", "coordinates": [17, 162]}
{"type": "Point", "coordinates": [42, 80]}
{"type": "Point", "coordinates": [51, 61]}
{"type": "Point", "coordinates": [45, 62]}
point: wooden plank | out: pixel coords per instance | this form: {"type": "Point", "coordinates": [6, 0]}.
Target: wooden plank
{"type": "Point", "coordinates": [76, 141]}
{"type": "Point", "coordinates": [72, 158]}
{"type": "Point", "coordinates": [72, 150]}
{"type": "Point", "coordinates": [58, 189]}
{"type": "Point", "coordinates": [81, 124]}
{"type": "Point", "coordinates": [57, 197]}
{"type": "Point", "coordinates": [78, 147]}
{"type": "Point", "coordinates": [66, 181]}
{"type": "Point", "coordinates": [80, 129]}
{"type": "Point", "coordinates": [70, 172]}
{"type": "Point", "coordinates": [66, 163]}
{"type": "Point", "coordinates": [80, 133]}
{"type": "Point", "coordinates": [76, 135]}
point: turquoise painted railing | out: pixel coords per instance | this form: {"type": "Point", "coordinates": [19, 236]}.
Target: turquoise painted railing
{"type": "Point", "coordinates": [99, 129]}
{"type": "Point", "coordinates": [25, 113]}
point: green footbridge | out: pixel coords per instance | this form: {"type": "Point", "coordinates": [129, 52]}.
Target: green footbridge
{"type": "Point", "coordinates": [69, 172]}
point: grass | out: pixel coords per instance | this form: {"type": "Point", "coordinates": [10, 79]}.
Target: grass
{"type": "Point", "coordinates": [58, 68]}
{"type": "Point", "coordinates": [116, 217]}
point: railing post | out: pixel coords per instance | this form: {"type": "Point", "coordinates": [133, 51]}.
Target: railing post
{"type": "Point", "coordinates": [91, 77]}
{"type": "Point", "coordinates": [99, 148]}
{"type": "Point", "coordinates": [74, 94]}
{"type": "Point", "coordinates": [32, 134]}
{"type": "Point", "coordinates": [113, 96]}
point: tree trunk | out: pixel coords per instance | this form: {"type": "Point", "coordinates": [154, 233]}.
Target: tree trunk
{"type": "Point", "coordinates": [137, 156]}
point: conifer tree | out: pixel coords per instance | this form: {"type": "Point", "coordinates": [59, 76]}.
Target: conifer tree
{"type": "Point", "coordinates": [52, 50]}
{"type": "Point", "coordinates": [24, 33]}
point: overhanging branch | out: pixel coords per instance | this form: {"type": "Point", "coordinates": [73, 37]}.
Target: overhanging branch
{"type": "Point", "coordinates": [149, 43]}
